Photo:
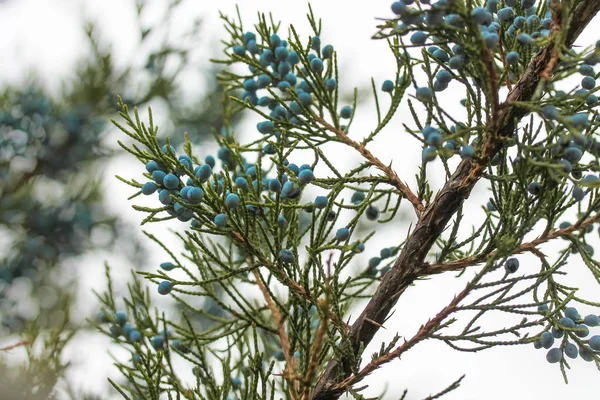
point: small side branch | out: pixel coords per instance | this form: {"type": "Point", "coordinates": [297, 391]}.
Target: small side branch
{"type": "Point", "coordinates": [290, 370]}
{"type": "Point", "coordinates": [421, 335]}
{"type": "Point", "coordinates": [14, 346]}
{"type": "Point", "coordinates": [458, 265]}
{"type": "Point", "coordinates": [455, 385]}
{"type": "Point", "coordinates": [387, 170]}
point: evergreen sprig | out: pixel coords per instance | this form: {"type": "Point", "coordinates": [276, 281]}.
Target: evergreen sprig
{"type": "Point", "coordinates": [282, 271]}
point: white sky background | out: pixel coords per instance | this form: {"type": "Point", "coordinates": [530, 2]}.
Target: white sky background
{"type": "Point", "coordinates": [46, 36]}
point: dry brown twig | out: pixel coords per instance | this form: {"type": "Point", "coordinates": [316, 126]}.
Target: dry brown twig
{"type": "Point", "coordinates": [319, 339]}
{"type": "Point", "coordinates": [315, 352]}
{"type": "Point", "coordinates": [555, 32]}
{"type": "Point", "coordinates": [14, 346]}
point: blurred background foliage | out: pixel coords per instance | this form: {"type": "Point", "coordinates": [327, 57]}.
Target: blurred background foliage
{"type": "Point", "coordinates": [52, 153]}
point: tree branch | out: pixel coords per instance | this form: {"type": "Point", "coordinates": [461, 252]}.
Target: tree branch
{"type": "Point", "coordinates": [421, 335]}
{"type": "Point", "coordinates": [433, 269]}
{"type": "Point", "coordinates": [13, 346]}
{"type": "Point", "coordinates": [387, 170]}
{"type": "Point", "coordinates": [432, 221]}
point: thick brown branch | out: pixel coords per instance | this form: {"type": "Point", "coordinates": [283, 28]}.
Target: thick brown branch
{"type": "Point", "coordinates": [433, 219]}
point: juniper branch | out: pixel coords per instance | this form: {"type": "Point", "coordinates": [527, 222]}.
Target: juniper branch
{"type": "Point", "coordinates": [434, 218]}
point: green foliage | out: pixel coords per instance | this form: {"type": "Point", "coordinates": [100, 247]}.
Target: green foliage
{"type": "Point", "coordinates": [52, 204]}
{"type": "Point", "coordinates": [284, 274]}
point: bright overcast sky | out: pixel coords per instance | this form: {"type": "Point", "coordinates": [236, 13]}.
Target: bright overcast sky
{"type": "Point", "coordinates": [45, 36]}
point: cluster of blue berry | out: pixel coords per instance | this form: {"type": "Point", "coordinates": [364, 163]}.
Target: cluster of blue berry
{"type": "Point", "coordinates": [570, 326]}
{"type": "Point", "coordinates": [121, 327]}
{"type": "Point", "coordinates": [167, 183]}
{"type": "Point", "coordinates": [54, 144]}
{"type": "Point", "coordinates": [521, 25]}
{"type": "Point", "coordinates": [438, 144]}
{"type": "Point", "coordinates": [52, 231]}
{"type": "Point", "coordinates": [571, 148]}
{"type": "Point", "coordinates": [274, 65]}
{"type": "Point", "coordinates": [517, 19]}
{"type": "Point", "coordinates": [385, 253]}
{"type": "Point", "coordinates": [211, 195]}
{"type": "Point", "coordinates": [59, 141]}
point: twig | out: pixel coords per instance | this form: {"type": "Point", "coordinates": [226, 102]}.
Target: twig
{"type": "Point", "coordinates": [421, 335]}
{"type": "Point", "coordinates": [557, 14]}
{"type": "Point", "coordinates": [290, 370]}
{"type": "Point", "coordinates": [529, 246]}
{"type": "Point", "coordinates": [387, 170]}
{"type": "Point", "coordinates": [503, 56]}
{"type": "Point", "coordinates": [18, 344]}
{"type": "Point", "coordinates": [488, 60]}
{"type": "Point", "coordinates": [455, 385]}
{"type": "Point", "coordinates": [314, 354]}
{"type": "Point", "coordinates": [319, 338]}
